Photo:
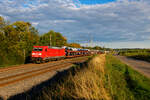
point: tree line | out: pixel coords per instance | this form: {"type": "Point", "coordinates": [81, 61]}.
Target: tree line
{"type": "Point", "coordinates": [17, 40]}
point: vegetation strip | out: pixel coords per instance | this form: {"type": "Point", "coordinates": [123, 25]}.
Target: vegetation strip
{"type": "Point", "coordinates": [124, 83]}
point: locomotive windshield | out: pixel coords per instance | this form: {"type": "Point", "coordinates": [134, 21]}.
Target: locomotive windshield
{"type": "Point", "coordinates": [37, 49]}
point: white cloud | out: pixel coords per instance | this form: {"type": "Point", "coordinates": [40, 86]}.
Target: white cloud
{"type": "Point", "coordinates": [113, 22]}
{"type": "Point", "coordinates": [35, 23]}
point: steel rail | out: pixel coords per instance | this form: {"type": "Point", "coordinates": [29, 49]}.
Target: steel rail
{"type": "Point", "coordinates": [30, 65]}
{"type": "Point", "coordinates": [33, 75]}
{"type": "Point", "coordinates": [29, 74]}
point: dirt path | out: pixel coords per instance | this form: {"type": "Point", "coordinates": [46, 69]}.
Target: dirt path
{"type": "Point", "coordinates": [141, 66]}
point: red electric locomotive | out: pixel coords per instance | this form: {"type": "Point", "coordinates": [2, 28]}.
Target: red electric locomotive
{"type": "Point", "coordinates": [46, 53]}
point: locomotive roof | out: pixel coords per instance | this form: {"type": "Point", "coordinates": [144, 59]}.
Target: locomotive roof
{"type": "Point", "coordinates": [55, 47]}
{"type": "Point", "coordinates": [47, 47]}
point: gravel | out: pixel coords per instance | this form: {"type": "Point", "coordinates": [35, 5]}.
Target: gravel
{"type": "Point", "coordinates": [25, 85]}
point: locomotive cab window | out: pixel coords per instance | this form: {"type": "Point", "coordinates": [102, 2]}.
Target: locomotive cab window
{"type": "Point", "coordinates": [37, 49]}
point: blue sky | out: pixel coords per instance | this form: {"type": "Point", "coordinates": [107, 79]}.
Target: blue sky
{"type": "Point", "coordinates": [89, 2]}
{"type": "Point", "coordinates": [113, 23]}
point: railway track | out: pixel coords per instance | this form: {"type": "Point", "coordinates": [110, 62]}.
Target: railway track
{"type": "Point", "coordinates": [22, 76]}
{"type": "Point", "coordinates": [34, 65]}
{"type": "Point", "coordinates": [23, 66]}
{"type": "Point", "coordinates": [43, 68]}
{"type": "Point", "coordinates": [18, 79]}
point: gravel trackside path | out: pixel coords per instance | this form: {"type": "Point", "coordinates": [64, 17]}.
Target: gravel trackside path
{"type": "Point", "coordinates": [141, 66]}
{"type": "Point", "coordinates": [21, 78]}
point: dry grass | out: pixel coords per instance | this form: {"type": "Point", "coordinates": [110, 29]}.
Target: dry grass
{"type": "Point", "coordinates": [89, 83]}
{"type": "Point", "coordinates": [100, 79]}
{"type": "Point", "coordinates": [85, 84]}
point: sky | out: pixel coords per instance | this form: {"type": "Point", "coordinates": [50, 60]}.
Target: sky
{"type": "Point", "coordinates": [89, 2]}
{"type": "Point", "coordinates": [109, 23]}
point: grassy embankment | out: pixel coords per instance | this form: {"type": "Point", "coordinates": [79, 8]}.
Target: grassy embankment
{"type": "Point", "coordinates": [86, 83]}
{"type": "Point", "coordinates": [137, 54]}
{"type": "Point", "coordinates": [115, 81]}
{"type": "Point", "coordinates": [98, 79]}
{"type": "Point", "coordinates": [124, 83]}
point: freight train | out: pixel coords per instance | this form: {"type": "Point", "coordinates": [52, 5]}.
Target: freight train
{"type": "Point", "coordinates": [46, 53]}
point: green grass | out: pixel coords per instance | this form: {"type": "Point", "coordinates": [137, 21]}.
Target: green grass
{"type": "Point", "coordinates": [8, 61]}
{"type": "Point", "coordinates": [124, 83]}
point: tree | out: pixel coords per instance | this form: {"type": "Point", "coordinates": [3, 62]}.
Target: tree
{"type": "Point", "coordinates": [97, 48]}
{"type": "Point", "coordinates": [53, 39]}
{"type": "Point", "coordinates": [27, 35]}
{"type": "Point", "coordinates": [75, 45]}
{"type": "Point", "coordinates": [60, 40]}
{"type": "Point", "coordinates": [2, 22]}
{"type": "Point", "coordinates": [17, 40]}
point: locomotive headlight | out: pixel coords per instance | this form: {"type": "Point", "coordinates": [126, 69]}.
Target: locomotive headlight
{"type": "Point", "coordinates": [40, 54]}
{"type": "Point", "coordinates": [33, 53]}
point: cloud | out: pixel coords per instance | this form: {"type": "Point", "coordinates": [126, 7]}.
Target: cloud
{"type": "Point", "coordinates": [35, 24]}
{"type": "Point", "coordinates": [120, 21]}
